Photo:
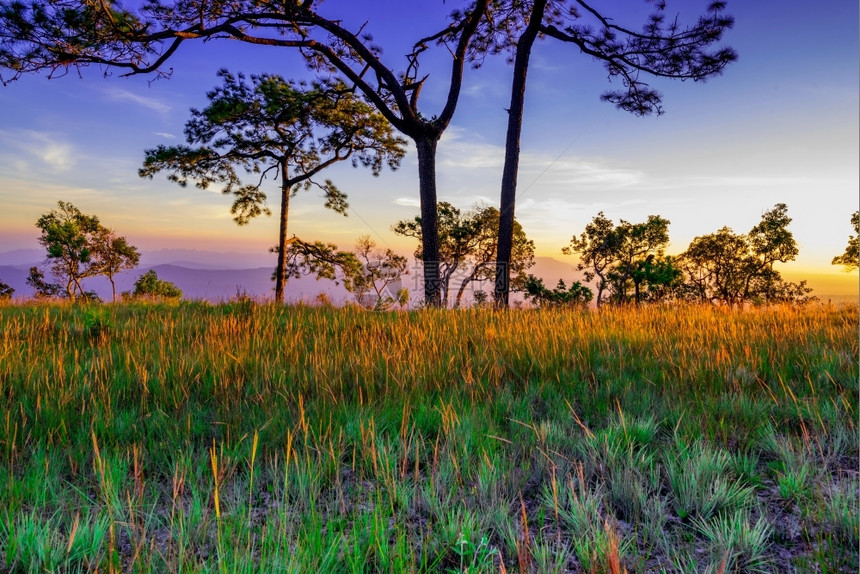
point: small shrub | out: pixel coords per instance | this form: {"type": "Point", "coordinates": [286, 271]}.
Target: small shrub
{"type": "Point", "coordinates": [150, 286]}
{"type": "Point", "coordinates": [6, 292]}
{"type": "Point", "coordinates": [97, 323]}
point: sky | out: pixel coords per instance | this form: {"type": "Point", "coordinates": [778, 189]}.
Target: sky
{"type": "Point", "coordinates": [779, 126]}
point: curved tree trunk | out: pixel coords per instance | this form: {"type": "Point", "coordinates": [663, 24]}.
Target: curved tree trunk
{"type": "Point", "coordinates": [426, 146]}
{"type": "Point", "coordinates": [445, 283]}
{"type": "Point", "coordinates": [466, 283]}
{"type": "Point", "coordinates": [601, 285]}
{"type": "Point", "coordinates": [281, 269]}
{"type": "Point", "coordinates": [78, 288]}
{"type": "Point", "coordinates": [512, 155]}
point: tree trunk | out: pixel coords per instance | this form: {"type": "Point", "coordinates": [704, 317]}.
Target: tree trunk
{"type": "Point", "coordinates": [112, 286]}
{"type": "Point", "coordinates": [600, 287]}
{"type": "Point", "coordinates": [512, 155]}
{"type": "Point", "coordinates": [466, 283]}
{"type": "Point", "coordinates": [77, 287]}
{"type": "Point", "coordinates": [281, 269]}
{"type": "Point", "coordinates": [462, 290]}
{"type": "Point", "coordinates": [445, 281]}
{"type": "Point", "coordinates": [426, 146]}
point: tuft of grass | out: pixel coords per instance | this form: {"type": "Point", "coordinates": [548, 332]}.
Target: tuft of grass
{"type": "Point", "coordinates": [740, 545]}
{"type": "Point", "coordinates": [601, 549]}
{"type": "Point", "coordinates": [840, 512]}
{"type": "Point", "coordinates": [552, 557]}
{"type": "Point", "coordinates": [746, 466]}
{"type": "Point", "coordinates": [49, 544]}
{"type": "Point", "coordinates": [631, 489]}
{"type": "Point", "coordinates": [794, 483]}
{"type": "Point", "coordinates": [701, 485]}
{"type": "Point", "coordinates": [578, 506]}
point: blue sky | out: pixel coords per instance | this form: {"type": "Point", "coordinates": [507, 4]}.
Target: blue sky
{"type": "Point", "coordinates": [781, 125]}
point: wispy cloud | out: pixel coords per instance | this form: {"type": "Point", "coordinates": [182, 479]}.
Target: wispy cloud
{"type": "Point", "coordinates": [166, 135]}
{"type": "Point", "coordinates": [744, 181]}
{"type": "Point", "coordinates": [457, 151]}
{"type": "Point", "coordinates": [57, 155]}
{"type": "Point", "coordinates": [33, 197]}
{"type": "Point", "coordinates": [485, 90]}
{"type": "Point", "coordinates": [28, 146]}
{"type": "Point", "coordinates": [564, 210]}
{"type": "Point", "coordinates": [119, 94]}
{"type": "Point", "coordinates": [407, 201]}
{"type": "Point", "coordinates": [590, 172]}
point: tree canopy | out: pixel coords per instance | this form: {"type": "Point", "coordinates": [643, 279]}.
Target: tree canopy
{"type": "Point", "coordinates": [372, 275]}
{"type": "Point", "coordinates": [376, 280]}
{"type": "Point", "coordinates": [58, 35]}
{"type": "Point", "coordinates": [79, 246]}
{"type": "Point", "coordinates": [724, 267]}
{"type": "Point", "coordinates": [42, 289]}
{"type": "Point", "coordinates": [67, 235]}
{"type": "Point", "coordinates": [850, 259]}
{"type": "Point", "coordinates": [467, 246]}
{"type": "Point", "coordinates": [149, 286]}
{"type": "Point", "coordinates": [733, 269]}
{"type": "Point", "coordinates": [272, 126]}
{"type": "Point", "coordinates": [621, 257]}
{"type": "Point", "coordinates": [113, 254]}
{"type": "Point", "coordinates": [6, 291]}
{"type": "Point", "coordinates": [577, 295]}
{"type": "Point", "coordinates": [662, 48]}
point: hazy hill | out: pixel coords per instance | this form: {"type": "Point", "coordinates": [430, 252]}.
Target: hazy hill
{"type": "Point", "coordinates": [190, 258]}
{"type": "Point", "coordinates": [26, 257]}
{"type": "Point", "coordinates": [220, 276]}
{"type": "Point", "coordinates": [197, 259]}
{"type": "Point", "coordinates": [224, 284]}
{"type": "Point", "coordinates": [211, 285]}
{"type": "Point", "coordinates": [15, 277]}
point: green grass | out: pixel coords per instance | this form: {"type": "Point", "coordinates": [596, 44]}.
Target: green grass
{"type": "Point", "coordinates": [244, 438]}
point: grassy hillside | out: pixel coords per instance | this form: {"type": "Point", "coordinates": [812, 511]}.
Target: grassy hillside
{"type": "Point", "coordinates": [243, 437]}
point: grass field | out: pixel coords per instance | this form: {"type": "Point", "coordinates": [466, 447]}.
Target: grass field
{"type": "Point", "coordinates": [256, 438]}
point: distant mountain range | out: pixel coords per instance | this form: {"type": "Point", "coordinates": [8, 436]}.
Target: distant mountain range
{"type": "Point", "coordinates": [215, 285]}
{"type": "Point", "coordinates": [217, 276]}
{"type": "Point", "coordinates": [220, 276]}
{"type": "Point", "coordinates": [189, 258]}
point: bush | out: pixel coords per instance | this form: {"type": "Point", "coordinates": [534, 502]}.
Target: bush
{"type": "Point", "coordinates": [5, 291]}
{"type": "Point", "coordinates": [149, 285]}
{"type": "Point", "coordinates": [577, 295]}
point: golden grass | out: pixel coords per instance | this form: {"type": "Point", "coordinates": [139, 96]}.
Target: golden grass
{"type": "Point", "coordinates": [189, 417]}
